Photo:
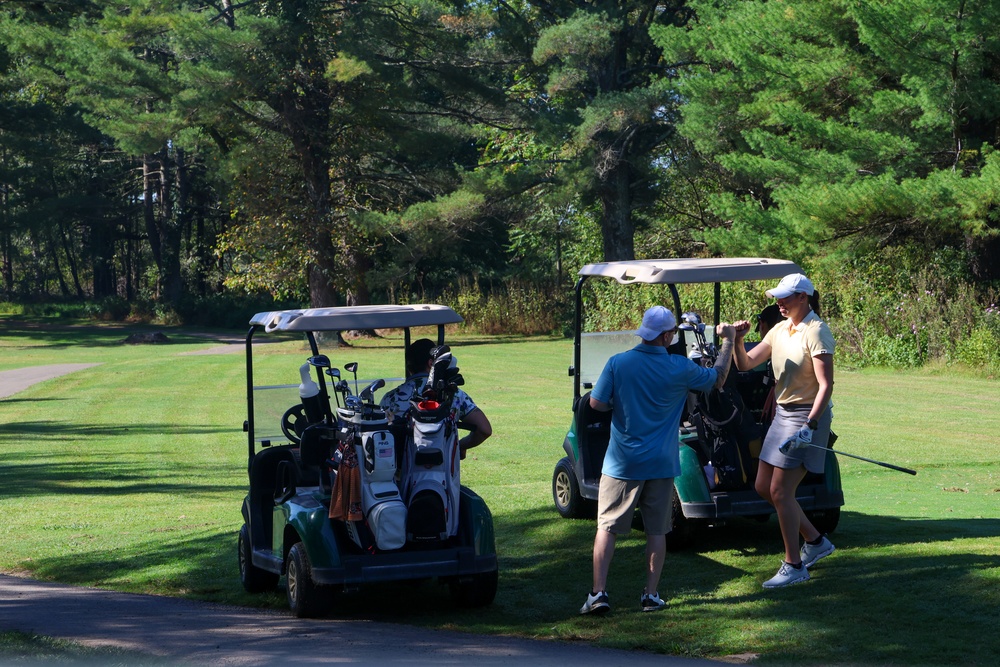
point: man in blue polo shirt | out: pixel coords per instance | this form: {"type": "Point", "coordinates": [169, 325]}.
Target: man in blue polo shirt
{"type": "Point", "coordinates": [645, 388]}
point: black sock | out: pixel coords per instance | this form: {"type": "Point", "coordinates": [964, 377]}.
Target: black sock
{"type": "Point", "coordinates": [817, 541]}
{"type": "Point", "coordinates": [797, 567]}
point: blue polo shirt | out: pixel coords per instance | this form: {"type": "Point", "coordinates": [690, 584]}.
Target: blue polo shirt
{"type": "Point", "coordinates": [647, 388]}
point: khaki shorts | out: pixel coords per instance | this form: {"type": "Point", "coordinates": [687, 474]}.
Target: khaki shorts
{"type": "Point", "coordinates": [617, 499]}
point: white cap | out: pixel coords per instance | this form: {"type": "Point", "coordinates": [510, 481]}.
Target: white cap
{"type": "Point", "coordinates": [789, 285]}
{"type": "Point", "coordinates": [655, 321]}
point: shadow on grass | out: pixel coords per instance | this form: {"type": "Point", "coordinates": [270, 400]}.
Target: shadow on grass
{"type": "Point", "coordinates": [55, 430]}
{"type": "Point", "coordinates": [58, 336]}
{"type": "Point", "coordinates": [25, 474]}
{"type": "Point", "coordinates": [864, 606]}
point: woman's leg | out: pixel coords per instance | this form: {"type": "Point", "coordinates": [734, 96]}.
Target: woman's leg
{"type": "Point", "coordinates": [762, 484]}
{"type": "Point", "coordinates": [791, 519]}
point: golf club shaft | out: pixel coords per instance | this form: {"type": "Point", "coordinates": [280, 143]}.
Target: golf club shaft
{"type": "Point", "coordinates": [878, 463]}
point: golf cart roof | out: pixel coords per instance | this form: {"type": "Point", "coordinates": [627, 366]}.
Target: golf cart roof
{"type": "Point", "coordinates": [677, 271]}
{"type": "Point", "coordinates": [356, 317]}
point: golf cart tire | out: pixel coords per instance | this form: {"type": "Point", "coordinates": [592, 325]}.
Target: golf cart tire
{"type": "Point", "coordinates": [825, 521]}
{"type": "Point", "coordinates": [305, 598]}
{"type": "Point", "coordinates": [479, 591]}
{"type": "Point", "coordinates": [681, 534]}
{"type": "Point", "coordinates": [566, 493]}
{"type": "Point", "coordinates": [254, 579]}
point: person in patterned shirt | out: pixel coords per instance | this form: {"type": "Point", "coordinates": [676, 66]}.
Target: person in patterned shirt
{"type": "Point", "coordinates": [418, 365]}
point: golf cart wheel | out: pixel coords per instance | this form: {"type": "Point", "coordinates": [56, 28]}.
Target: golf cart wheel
{"type": "Point", "coordinates": [477, 592]}
{"type": "Point", "coordinates": [566, 493]}
{"type": "Point", "coordinates": [681, 534]}
{"type": "Point", "coordinates": [826, 520]}
{"type": "Point", "coordinates": [254, 579]}
{"type": "Point", "coordinates": [305, 598]}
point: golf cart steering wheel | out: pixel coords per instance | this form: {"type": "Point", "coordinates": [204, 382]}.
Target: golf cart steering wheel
{"type": "Point", "coordinates": [293, 416]}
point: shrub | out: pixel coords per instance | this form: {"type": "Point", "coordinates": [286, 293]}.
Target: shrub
{"type": "Point", "coordinates": [981, 348]}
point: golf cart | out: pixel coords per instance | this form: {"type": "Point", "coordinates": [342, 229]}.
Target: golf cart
{"type": "Point", "coordinates": [342, 495]}
{"type": "Point", "coordinates": [720, 432]}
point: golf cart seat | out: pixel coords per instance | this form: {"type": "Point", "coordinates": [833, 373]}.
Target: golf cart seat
{"type": "Point", "coordinates": [593, 433]}
{"type": "Point", "coordinates": [315, 449]}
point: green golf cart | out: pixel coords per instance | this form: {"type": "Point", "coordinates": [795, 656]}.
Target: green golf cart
{"type": "Point", "coordinates": [307, 456]}
{"type": "Point", "coordinates": [719, 432]}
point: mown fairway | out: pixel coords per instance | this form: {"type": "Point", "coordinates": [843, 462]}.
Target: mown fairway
{"type": "Point", "coordinates": [130, 475]}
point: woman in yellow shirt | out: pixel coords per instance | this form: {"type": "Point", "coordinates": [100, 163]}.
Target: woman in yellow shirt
{"type": "Point", "coordinates": [801, 352]}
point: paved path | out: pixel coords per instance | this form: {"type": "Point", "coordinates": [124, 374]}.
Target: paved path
{"type": "Point", "coordinates": [196, 633]}
{"type": "Point", "coordinates": [20, 379]}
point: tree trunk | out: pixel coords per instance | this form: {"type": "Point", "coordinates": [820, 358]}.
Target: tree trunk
{"type": "Point", "coordinates": [320, 273]}
{"type": "Point", "coordinates": [67, 247]}
{"type": "Point", "coordinates": [149, 176]}
{"type": "Point", "coordinates": [617, 229]}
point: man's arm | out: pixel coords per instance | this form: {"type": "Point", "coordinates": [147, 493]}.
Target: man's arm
{"type": "Point", "coordinates": [600, 406]}
{"type": "Point", "coordinates": [483, 429]}
{"type": "Point", "coordinates": [747, 360]}
{"type": "Point", "coordinates": [725, 359]}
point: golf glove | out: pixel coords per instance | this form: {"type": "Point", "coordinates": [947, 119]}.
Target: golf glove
{"type": "Point", "coordinates": [802, 438]}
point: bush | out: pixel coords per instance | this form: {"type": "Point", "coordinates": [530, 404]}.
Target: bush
{"type": "Point", "coordinates": [981, 349]}
{"type": "Point", "coordinates": [513, 308]}
{"type": "Point", "coordinates": [884, 314]}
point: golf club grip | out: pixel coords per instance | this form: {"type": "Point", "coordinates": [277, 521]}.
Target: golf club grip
{"type": "Point", "coordinates": [878, 463]}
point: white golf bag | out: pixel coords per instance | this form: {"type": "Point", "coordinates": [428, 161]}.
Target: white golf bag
{"type": "Point", "coordinates": [381, 502]}
{"type": "Point", "coordinates": [431, 480]}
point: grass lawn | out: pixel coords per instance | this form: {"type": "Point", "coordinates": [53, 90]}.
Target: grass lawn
{"type": "Point", "coordinates": [130, 475]}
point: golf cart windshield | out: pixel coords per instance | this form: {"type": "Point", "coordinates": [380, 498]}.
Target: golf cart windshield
{"type": "Point", "coordinates": [593, 349]}
{"type": "Point", "coordinates": [267, 401]}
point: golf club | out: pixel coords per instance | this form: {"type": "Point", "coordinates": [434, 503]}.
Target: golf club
{"type": "Point", "coordinates": [334, 374]}
{"type": "Point", "coordinates": [878, 463]}
{"type": "Point", "coordinates": [368, 395]}
{"type": "Point", "coordinates": [352, 367]}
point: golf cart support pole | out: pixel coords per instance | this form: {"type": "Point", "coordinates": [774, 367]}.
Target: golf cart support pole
{"type": "Point", "coordinates": [878, 463]}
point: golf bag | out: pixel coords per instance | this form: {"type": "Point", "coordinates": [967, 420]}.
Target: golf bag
{"type": "Point", "coordinates": [431, 479]}
{"type": "Point", "coordinates": [371, 458]}
{"type": "Point", "coordinates": [729, 434]}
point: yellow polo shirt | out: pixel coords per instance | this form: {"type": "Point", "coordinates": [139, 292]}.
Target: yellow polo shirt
{"type": "Point", "coordinates": [792, 350]}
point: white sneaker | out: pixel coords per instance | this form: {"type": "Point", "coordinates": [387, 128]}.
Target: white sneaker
{"type": "Point", "coordinates": [651, 602]}
{"type": "Point", "coordinates": [788, 575]}
{"type": "Point", "coordinates": [596, 604]}
{"type": "Point", "coordinates": [812, 553]}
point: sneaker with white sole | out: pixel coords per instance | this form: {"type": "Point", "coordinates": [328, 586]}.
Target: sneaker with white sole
{"type": "Point", "coordinates": [811, 553]}
{"type": "Point", "coordinates": [651, 602]}
{"type": "Point", "coordinates": [597, 604]}
{"type": "Point", "coordinates": [787, 575]}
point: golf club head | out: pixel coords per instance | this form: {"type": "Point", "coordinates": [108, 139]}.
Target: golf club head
{"type": "Point", "coordinates": [333, 372]}
{"type": "Point", "coordinates": [368, 395]}
{"type": "Point", "coordinates": [691, 318]}
{"type": "Point", "coordinates": [319, 361]}
{"type": "Point", "coordinates": [686, 327]}
{"type": "Point", "coordinates": [351, 367]}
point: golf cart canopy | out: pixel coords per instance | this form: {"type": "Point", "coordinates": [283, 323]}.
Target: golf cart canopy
{"type": "Point", "coordinates": [678, 271]}
{"type": "Point", "coordinates": [669, 273]}
{"type": "Point", "coordinates": [356, 317]}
